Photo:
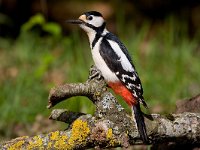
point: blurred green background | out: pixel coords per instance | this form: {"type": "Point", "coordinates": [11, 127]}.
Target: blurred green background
{"type": "Point", "coordinates": [38, 51]}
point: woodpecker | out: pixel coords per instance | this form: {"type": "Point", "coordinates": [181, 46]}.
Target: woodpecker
{"type": "Point", "coordinates": [113, 60]}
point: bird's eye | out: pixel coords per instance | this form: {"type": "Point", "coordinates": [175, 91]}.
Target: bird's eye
{"type": "Point", "coordinates": [89, 18]}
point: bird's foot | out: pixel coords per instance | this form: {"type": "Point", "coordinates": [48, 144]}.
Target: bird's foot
{"type": "Point", "coordinates": [95, 73]}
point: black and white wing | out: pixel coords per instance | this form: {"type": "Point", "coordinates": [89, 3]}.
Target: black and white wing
{"type": "Point", "coordinates": [118, 60]}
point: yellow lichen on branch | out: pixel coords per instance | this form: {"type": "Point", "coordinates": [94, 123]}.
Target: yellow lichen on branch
{"type": "Point", "coordinates": [58, 141]}
{"type": "Point", "coordinates": [35, 143]}
{"type": "Point", "coordinates": [110, 126]}
{"type": "Point", "coordinates": [77, 137]}
{"type": "Point", "coordinates": [17, 145]}
{"type": "Point", "coordinates": [110, 137]}
{"type": "Point", "coordinates": [80, 131]}
{"type": "Point", "coordinates": [109, 134]}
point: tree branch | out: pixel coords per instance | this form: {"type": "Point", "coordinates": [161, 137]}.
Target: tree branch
{"type": "Point", "coordinates": [110, 126]}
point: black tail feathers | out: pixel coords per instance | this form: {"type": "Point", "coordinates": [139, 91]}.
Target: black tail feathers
{"type": "Point", "coordinates": [140, 123]}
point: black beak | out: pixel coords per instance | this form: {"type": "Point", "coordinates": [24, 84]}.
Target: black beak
{"type": "Point", "coordinates": [77, 21]}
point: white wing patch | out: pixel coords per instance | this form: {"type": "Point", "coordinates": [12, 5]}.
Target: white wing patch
{"type": "Point", "coordinates": [129, 77]}
{"type": "Point", "coordinates": [123, 59]}
{"type": "Point", "coordinates": [130, 86]}
{"type": "Point", "coordinates": [134, 94]}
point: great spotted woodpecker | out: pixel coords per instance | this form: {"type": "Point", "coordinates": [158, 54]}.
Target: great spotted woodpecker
{"type": "Point", "coordinates": [112, 59]}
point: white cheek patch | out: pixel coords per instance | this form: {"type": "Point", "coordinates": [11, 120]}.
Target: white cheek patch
{"type": "Point", "coordinates": [96, 21]}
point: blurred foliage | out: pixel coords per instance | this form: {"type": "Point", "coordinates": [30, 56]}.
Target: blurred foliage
{"type": "Point", "coordinates": [38, 20]}
{"type": "Point", "coordinates": [166, 60]}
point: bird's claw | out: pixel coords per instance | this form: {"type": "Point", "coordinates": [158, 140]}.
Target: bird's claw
{"type": "Point", "coordinates": [94, 73]}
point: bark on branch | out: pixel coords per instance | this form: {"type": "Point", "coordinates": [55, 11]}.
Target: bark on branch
{"type": "Point", "coordinates": [110, 126]}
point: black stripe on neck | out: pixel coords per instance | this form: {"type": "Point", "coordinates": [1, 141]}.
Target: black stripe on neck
{"type": "Point", "coordinates": [99, 31]}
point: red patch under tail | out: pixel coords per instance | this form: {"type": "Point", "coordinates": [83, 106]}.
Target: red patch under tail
{"type": "Point", "coordinates": [121, 90]}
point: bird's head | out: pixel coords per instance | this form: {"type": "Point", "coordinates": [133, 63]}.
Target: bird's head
{"type": "Point", "coordinates": [90, 21]}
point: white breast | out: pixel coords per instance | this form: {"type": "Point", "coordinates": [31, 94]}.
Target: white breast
{"type": "Point", "coordinates": [108, 75]}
